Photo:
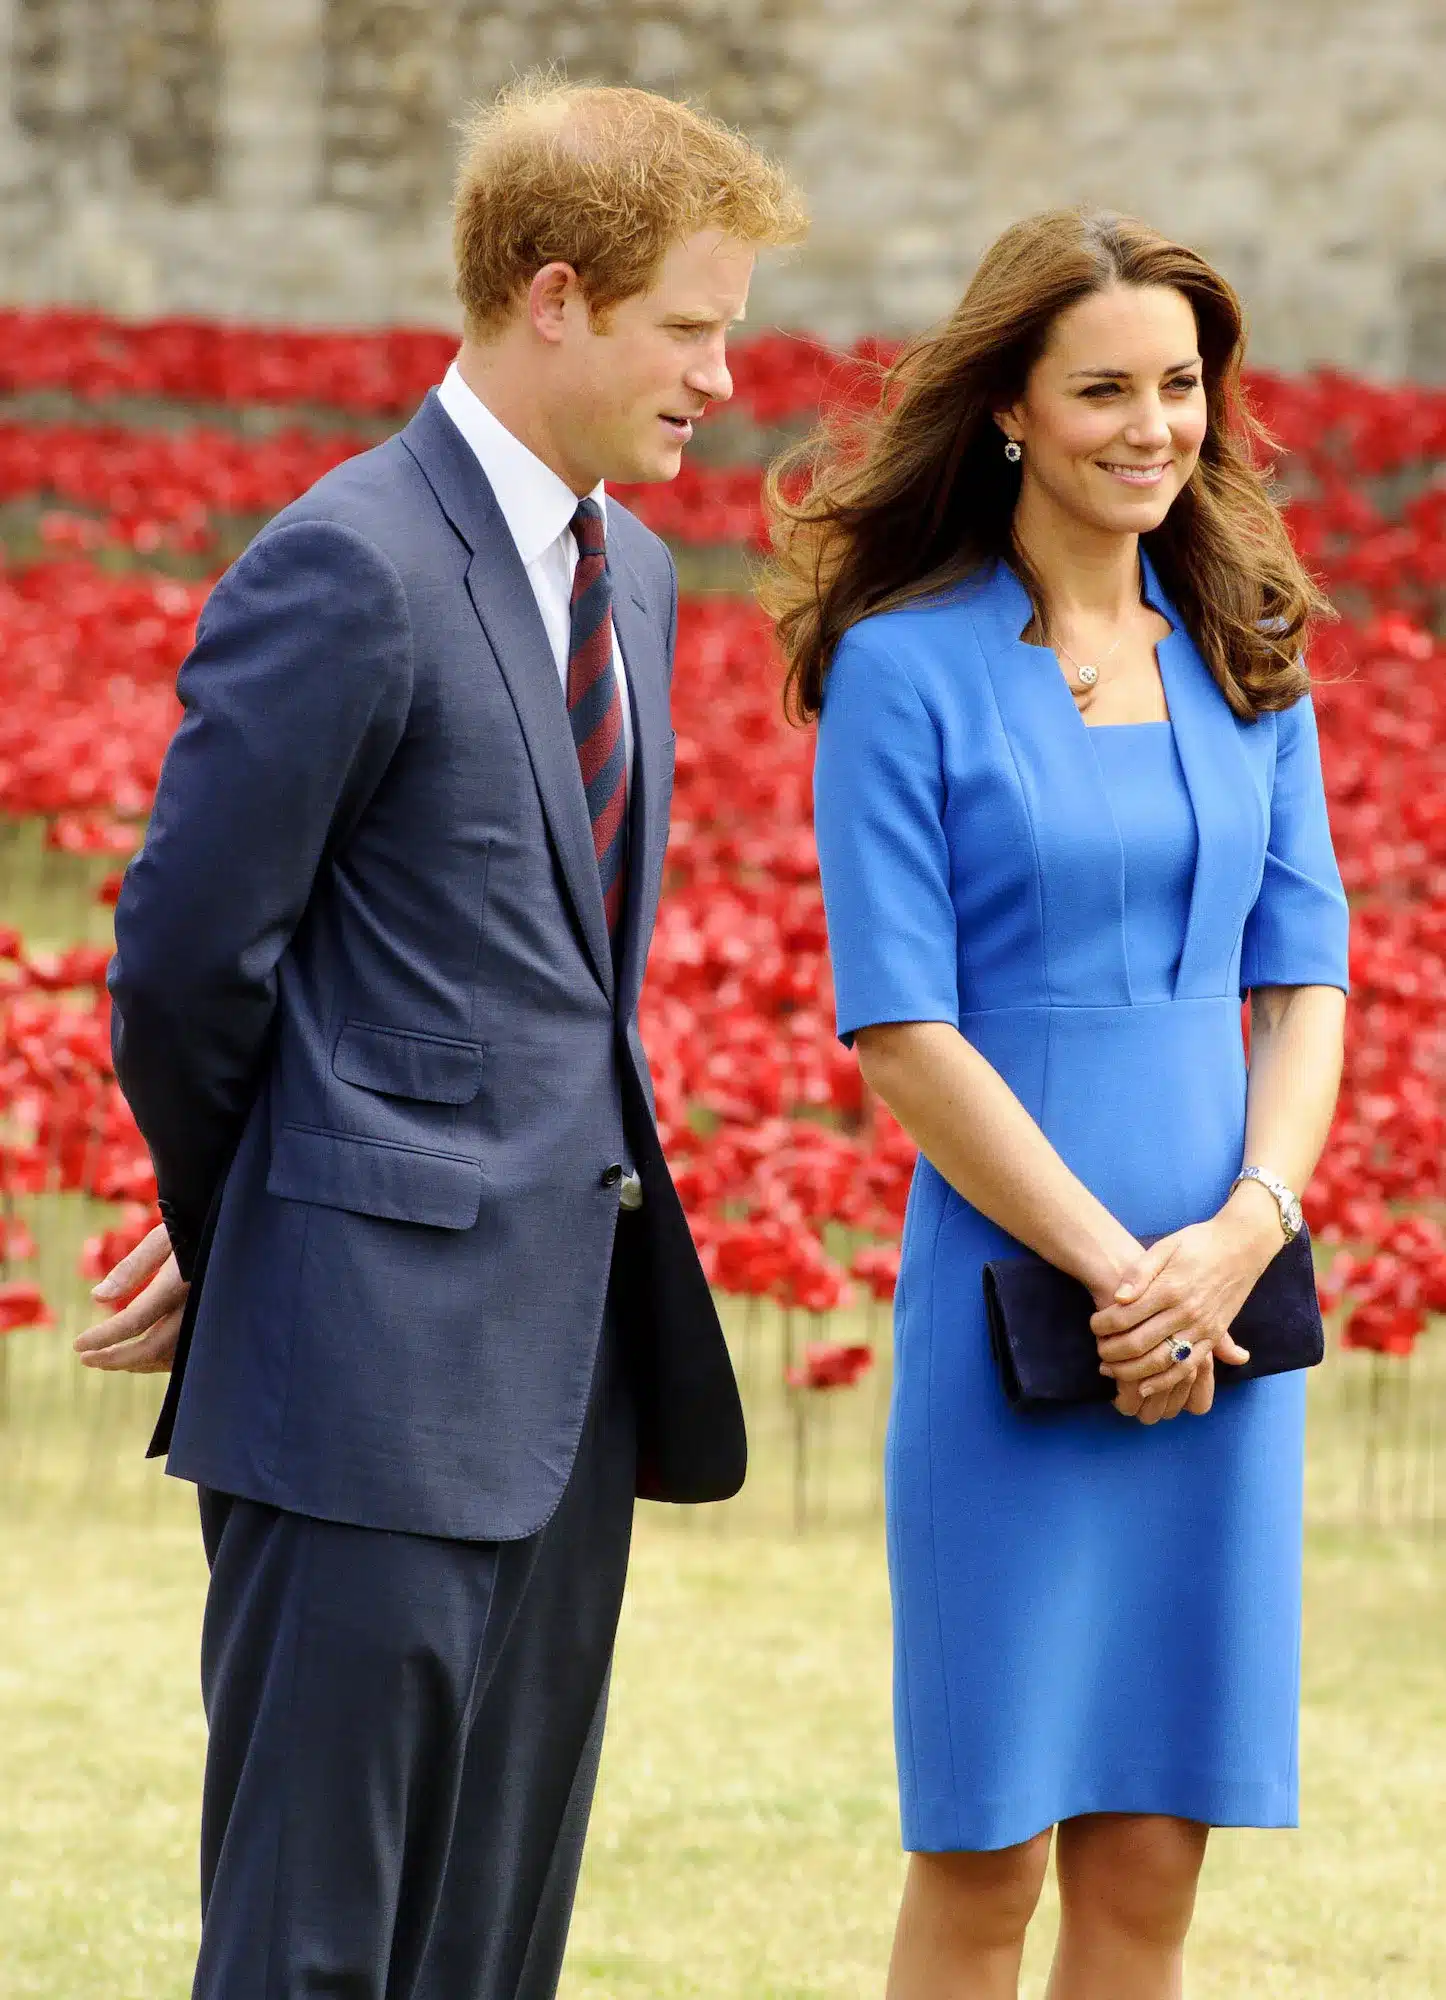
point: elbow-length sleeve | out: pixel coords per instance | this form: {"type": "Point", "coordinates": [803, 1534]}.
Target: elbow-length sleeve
{"type": "Point", "coordinates": [1298, 932]}
{"type": "Point", "coordinates": [878, 796]}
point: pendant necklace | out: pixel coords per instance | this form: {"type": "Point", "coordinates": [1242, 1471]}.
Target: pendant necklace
{"type": "Point", "coordinates": [1088, 675]}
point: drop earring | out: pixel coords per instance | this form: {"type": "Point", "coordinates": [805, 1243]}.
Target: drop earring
{"type": "Point", "coordinates": [1013, 450]}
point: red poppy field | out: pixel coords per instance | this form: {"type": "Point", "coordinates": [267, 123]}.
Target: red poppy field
{"type": "Point", "coordinates": [134, 459]}
{"type": "Point", "coordinates": [745, 1840]}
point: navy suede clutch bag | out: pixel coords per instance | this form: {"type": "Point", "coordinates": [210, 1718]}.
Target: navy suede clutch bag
{"type": "Point", "coordinates": [1039, 1328]}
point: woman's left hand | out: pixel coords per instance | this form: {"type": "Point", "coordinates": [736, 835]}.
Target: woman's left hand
{"type": "Point", "coordinates": [1188, 1286]}
{"type": "Point", "coordinates": [1193, 1393]}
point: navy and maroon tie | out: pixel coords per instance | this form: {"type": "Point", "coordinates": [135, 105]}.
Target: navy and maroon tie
{"type": "Point", "coordinates": [595, 707]}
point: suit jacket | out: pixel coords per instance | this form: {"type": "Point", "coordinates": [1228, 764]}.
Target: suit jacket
{"type": "Point", "coordinates": [367, 1018]}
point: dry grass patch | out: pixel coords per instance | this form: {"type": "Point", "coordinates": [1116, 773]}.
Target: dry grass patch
{"type": "Point", "coordinates": [745, 1843]}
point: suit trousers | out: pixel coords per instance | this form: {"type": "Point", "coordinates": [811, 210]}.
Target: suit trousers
{"type": "Point", "coordinates": [404, 1738]}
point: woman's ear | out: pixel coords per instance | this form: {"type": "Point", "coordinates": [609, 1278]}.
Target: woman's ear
{"type": "Point", "coordinates": [1008, 422]}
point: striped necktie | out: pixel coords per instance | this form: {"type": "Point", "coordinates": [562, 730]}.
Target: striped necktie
{"type": "Point", "coordinates": [595, 707]}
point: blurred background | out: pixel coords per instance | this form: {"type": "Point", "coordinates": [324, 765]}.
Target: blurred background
{"type": "Point", "coordinates": [290, 159]}
{"type": "Point", "coordinates": [224, 267]}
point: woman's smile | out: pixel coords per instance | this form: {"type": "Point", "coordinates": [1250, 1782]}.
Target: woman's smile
{"type": "Point", "coordinates": [1135, 475]}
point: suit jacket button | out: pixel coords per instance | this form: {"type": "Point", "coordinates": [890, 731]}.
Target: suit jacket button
{"type": "Point", "coordinates": [611, 1175]}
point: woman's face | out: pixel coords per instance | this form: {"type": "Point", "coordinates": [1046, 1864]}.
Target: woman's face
{"type": "Point", "coordinates": [1113, 414]}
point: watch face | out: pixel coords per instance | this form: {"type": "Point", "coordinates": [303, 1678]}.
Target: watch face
{"type": "Point", "coordinates": [1294, 1216]}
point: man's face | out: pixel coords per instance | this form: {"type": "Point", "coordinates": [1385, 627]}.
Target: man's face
{"type": "Point", "coordinates": [638, 378]}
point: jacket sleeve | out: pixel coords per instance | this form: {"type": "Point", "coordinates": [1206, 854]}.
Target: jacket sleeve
{"type": "Point", "coordinates": [1298, 932]}
{"type": "Point", "coordinates": [296, 695]}
{"type": "Point", "coordinates": [883, 855]}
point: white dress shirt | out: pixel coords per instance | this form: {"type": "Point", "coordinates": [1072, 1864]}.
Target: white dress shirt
{"type": "Point", "coordinates": [538, 508]}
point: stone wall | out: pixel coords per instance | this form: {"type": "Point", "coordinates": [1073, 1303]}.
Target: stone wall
{"type": "Point", "coordinates": [290, 159]}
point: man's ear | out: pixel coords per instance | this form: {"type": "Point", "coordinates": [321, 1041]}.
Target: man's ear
{"type": "Point", "coordinates": [548, 297]}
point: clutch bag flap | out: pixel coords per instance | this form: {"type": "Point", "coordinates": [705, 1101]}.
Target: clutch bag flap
{"type": "Point", "coordinates": [1039, 1328]}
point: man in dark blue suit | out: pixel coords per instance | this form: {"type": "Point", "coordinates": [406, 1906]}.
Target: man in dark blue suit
{"type": "Point", "coordinates": [431, 1307]}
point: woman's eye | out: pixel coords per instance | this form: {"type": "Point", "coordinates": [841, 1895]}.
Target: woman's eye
{"type": "Point", "coordinates": [1186, 383]}
{"type": "Point", "coordinates": [1096, 390]}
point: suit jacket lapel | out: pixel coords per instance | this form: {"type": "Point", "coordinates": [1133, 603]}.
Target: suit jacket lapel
{"type": "Point", "coordinates": [642, 651]}
{"type": "Point", "coordinates": [502, 598]}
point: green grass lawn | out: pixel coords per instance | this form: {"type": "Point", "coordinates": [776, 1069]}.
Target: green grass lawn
{"type": "Point", "coordinates": [745, 1842]}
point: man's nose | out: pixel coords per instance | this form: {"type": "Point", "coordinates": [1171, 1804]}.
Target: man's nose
{"type": "Point", "coordinates": [709, 377]}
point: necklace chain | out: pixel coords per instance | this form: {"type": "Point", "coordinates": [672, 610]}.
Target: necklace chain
{"type": "Point", "coordinates": [1089, 671]}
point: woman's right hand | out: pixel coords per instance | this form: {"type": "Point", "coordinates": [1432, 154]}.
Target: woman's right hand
{"type": "Point", "coordinates": [1195, 1391]}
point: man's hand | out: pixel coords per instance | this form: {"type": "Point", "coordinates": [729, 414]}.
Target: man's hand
{"type": "Point", "coordinates": [140, 1339]}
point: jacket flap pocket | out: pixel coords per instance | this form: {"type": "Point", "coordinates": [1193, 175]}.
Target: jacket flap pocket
{"type": "Point", "coordinates": [400, 1183]}
{"type": "Point", "coordinates": [399, 1064]}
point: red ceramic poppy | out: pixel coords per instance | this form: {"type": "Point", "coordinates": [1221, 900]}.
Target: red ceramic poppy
{"type": "Point", "coordinates": [775, 1142]}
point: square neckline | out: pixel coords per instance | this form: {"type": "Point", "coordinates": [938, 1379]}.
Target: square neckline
{"type": "Point", "coordinates": [1151, 595]}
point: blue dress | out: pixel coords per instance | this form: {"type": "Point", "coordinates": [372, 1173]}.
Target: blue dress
{"type": "Point", "coordinates": [1089, 1615]}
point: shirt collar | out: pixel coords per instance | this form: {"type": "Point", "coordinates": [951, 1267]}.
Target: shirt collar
{"type": "Point", "coordinates": [536, 505]}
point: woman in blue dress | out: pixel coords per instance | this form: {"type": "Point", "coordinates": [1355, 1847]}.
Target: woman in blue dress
{"type": "Point", "coordinates": [1069, 811]}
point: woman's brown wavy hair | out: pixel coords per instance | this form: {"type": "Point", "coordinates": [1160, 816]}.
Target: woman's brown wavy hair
{"type": "Point", "coordinates": [916, 494]}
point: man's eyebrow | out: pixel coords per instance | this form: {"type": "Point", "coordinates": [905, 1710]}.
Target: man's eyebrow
{"type": "Point", "coordinates": [705, 319]}
{"type": "Point", "coordinates": [1123, 374]}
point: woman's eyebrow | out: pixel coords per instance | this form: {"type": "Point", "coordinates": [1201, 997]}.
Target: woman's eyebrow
{"type": "Point", "coordinates": [1123, 374]}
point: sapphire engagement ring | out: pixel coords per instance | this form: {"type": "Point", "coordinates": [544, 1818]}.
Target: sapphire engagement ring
{"type": "Point", "coordinates": [1180, 1350]}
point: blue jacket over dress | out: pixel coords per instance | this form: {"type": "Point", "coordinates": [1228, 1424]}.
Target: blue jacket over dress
{"type": "Point", "coordinates": [1090, 1615]}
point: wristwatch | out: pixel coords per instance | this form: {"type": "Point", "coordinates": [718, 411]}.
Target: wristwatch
{"type": "Point", "coordinates": [1291, 1217]}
